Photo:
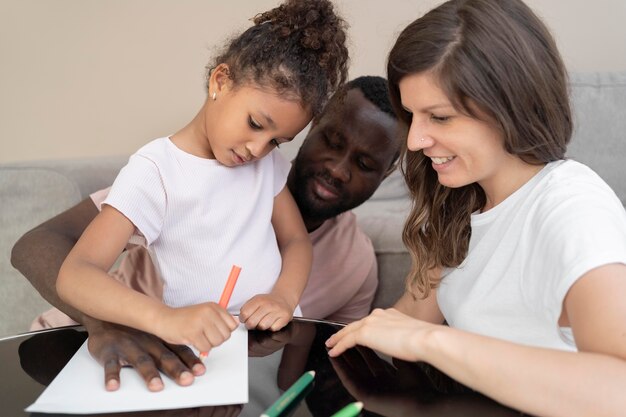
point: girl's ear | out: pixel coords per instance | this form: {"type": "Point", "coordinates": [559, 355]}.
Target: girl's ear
{"type": "Point", "coordinates": [219, 80]}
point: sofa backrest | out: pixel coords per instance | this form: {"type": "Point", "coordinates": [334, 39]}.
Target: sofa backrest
{"type": "Point", "coordinates": [599, 139]}
{"type": "Point", "coordinates": [30, 193]}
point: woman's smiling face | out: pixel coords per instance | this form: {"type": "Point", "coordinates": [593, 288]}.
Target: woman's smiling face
{"type": "Point", "coordinates": [463, 149]}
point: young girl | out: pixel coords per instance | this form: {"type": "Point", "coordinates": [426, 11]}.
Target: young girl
{"type": "Point", "coordinates": [520, 250]}
{"type": "Point", "coordinates": [213, 194]}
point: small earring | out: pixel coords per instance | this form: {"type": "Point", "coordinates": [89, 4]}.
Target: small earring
{"type": "Point", "coordinates": [421, 140]}
{"type": "Point", "coordinates": [214, 96]}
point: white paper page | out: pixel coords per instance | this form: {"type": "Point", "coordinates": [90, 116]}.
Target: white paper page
{"type": "Point", "coordinates": [79, 387]}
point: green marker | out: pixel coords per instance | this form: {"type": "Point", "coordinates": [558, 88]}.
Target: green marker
{"type": "Point", "coordinates": [294, 391]}
{"type": "Point", "coordinates": [350, 410]}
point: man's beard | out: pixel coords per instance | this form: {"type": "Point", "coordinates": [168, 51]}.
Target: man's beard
{"type": "Point", "coordinates": [310, 205]}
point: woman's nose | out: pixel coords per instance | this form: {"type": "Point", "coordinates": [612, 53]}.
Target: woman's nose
{"type": "Point", "coordinates": [418, 138]}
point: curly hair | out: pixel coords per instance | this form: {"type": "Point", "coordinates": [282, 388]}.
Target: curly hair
{"type": "Point", "coordinates": [495, 56]}
{"type": "Point", "coordinates": [298, 49]}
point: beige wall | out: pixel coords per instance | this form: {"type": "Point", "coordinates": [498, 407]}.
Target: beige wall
{"type": "Point", "coordinates": [94, 77]}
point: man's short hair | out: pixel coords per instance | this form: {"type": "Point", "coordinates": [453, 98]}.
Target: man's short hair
{"type": "Point", "coordinates": [376, 90]}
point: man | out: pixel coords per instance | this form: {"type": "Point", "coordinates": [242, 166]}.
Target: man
{"type": "Point", "coordinates": [349, 150]}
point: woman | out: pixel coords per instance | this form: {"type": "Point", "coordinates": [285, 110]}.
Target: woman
{"type": "Point", "coordinates": [520, 251]}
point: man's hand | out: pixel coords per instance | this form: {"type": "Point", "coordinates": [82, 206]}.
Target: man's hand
{"type": "Point", "coordinates": [114, 346]}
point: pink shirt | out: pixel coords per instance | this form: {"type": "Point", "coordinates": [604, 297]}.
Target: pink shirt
{"type": "Point", "coordinates": [344, 275]}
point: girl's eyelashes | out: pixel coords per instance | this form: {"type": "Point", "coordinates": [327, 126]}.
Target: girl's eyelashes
{"type": "Point", "coordinates": [254, 124]}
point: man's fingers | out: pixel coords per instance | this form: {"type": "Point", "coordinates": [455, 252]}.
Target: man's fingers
{"type": "Point", "coordinates": [112, 373]}
{"type": "Point", "coordinates": [188, 358]}
{"type": "Point", "coordinates": [172, 366]}
{"type": "Point", "coordinates": [143, 363]}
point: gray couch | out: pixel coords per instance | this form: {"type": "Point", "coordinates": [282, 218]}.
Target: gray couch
{"type": "Point", "coordinates": [31, 192]}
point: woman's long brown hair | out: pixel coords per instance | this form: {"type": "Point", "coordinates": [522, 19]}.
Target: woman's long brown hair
{"type": "Point", "coordinates": [494, 56]}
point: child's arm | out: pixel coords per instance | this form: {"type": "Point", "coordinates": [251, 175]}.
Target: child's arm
{"type": "Point", "coordinates": [84, 283]}
{"type": "Point", "coordinates": [274, 310]}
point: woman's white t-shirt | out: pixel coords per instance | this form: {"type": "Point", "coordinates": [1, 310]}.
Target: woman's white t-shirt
{"type": "Point", "coordinates": [527, 252]}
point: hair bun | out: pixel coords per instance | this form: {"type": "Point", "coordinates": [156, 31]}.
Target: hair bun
{"type": "Point", "coordinates": [298, 49]}
{"type": "Point", "coordinates": [314, 22]}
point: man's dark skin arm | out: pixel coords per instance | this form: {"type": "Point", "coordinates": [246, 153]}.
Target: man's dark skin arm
{"type": "Point", "coordinates": [38, 255]}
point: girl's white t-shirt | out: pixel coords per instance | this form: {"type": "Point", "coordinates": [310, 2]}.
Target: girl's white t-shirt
{"type": "Point", "coordinates": [199, 218]}
{"type": "Point", "coordinates": [527, 252]}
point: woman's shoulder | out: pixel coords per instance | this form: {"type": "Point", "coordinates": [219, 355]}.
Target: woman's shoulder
{"type": "Point", "coordinates": [571, 189]}
{"type": "Point", "coordinates": [570, 178]}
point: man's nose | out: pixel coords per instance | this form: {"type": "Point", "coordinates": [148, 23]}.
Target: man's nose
{"type": "Point", "coordinates": [340, 168]}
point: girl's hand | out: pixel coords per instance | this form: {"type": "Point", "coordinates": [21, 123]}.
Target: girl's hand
{"type": "Point", "coordinates": [388, 331]}
{"type": "Point", "coordinates": [202, 326]}
{"type": "Point", "coordinates": [266, 311]}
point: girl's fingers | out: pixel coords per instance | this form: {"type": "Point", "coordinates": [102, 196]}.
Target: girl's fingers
{"type": "Point", "coordinates": [248, 314]}
{"type": "Point", "coordinates": [217, 334]}
{"type": "Point", "coordinates": [266, 319]}
{"type": "Point", "coordinates": [279, 323]}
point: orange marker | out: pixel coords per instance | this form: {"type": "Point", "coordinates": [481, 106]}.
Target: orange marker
{"type": "Point", "coordinates": [228, 291]}
{"type": "Point", "coordinates": [230, 286]}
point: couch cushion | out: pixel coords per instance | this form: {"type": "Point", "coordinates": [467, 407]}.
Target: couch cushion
{"type": "Point", "coordinates": [29, 196]}
{"type": "Point", "coordinates": [32, 192]}
{"type": "Point", "coordinates": [599, 140]}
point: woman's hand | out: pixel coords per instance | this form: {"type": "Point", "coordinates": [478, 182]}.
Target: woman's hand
{"type": "Point", "coordinates": [266, 312]}
{"type": "Point", "coordinates": [202, 326]}
{"type": "Point", "coordinates": [388, 331]}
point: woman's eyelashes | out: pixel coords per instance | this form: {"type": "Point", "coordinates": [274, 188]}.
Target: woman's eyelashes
{"type": "Point", "coordinates": [433, 117]}
{"type": "Point", "coordinates": [439, 119]}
